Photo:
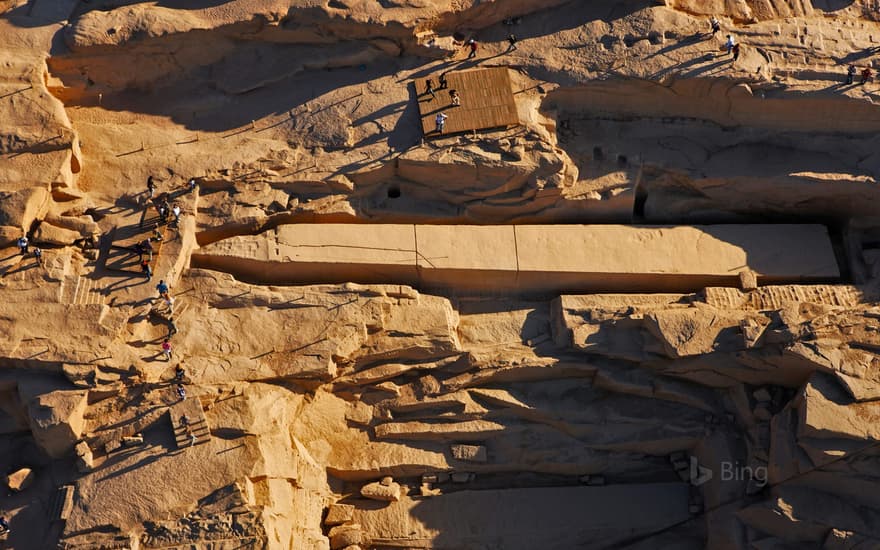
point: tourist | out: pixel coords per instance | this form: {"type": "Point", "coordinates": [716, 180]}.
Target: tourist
{"type": "Point", "coordinates": [511, 42]}
{"type": "Point", "coordinates": [181, 392]}
{"type": "Point", "coordinates": [184, 420]}
{"type": "Point", "coordinates": [192, 184]}
{"type": "Point", "coordinates": [735, 52]}
{"type": "Point", "coordinates": [162, 287]}
{"type": "Point", "coordinates": [169, 302]}
{"type": "Point", "coordinates": [716, 25]}
{"type": "Point", "coordinates": [151, 187]}
{"type": "Point", "coordinates": [23, 245]}
{"type": "Point", "coordinates": [147, 248]}
{"type": "Point", "coordinates": [157, 235]}
{"type": "Point", "coordinates": [176, 212]}
{"type": "Point", "coordinates": [38, 255]}
{"type": "Point", "coordinates": [866, 75]}
{"type": "Point", "coordinates": [440, 120]}
{"type": "Point", "coordinates": [4, 526]}
{"type": "Point", "coordinates": [443, 82]}
{"type": "Point", "coordinates": [179, 373]}
{"type": "Point", "coordinates": [164, 210]}
{"type": "Point", "coordinates": [192, 439]}
{"type": "Point", "coordinates": [731, 42]}
{"type": "Point", "coordinates": [850, 74]}
{"type": "Point", "coordinates": [145, 267]}
{"type": "Point", "coordinates": [172, 328]}
{"type": "Point", "coordinates": [456, 99]}
{"type": "Point", "coordinates": [429, 88]}
{"type": "Point", "coordinates": [473, 46]}
{"type": "Point", "coordinates": [166, 349]}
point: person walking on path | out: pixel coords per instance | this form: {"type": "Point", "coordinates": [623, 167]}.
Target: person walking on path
{"type": "Point", "coordinates": [511, 42]}
{"type": "Point", "coordinates": [866, 75]}
{"type": "Point", "coordinates": [151, 186]}
{"type": "Point", "coordinates": [473, 46]}
{"type": "Point", "coordinates": [147, 248]}
{"type": "Point", "coordinates": [145, 267]}
{"type": "Point", "coordinates": [164, 210]}
{"type": "Point", "coordinates": [440, 120]}
{"type": "Point", "coordinates": [429, 88]}
{"type": "Point", "coordinates": [162, 287]}
{"type": "Point", "coordinates": [23, 245]}
{"type": "Point", "coordinates": [192, 439]}
{"type": "Point", "coordinates": [181, 392]}
{"type": "Point", "coordinates": [850, 74]}
{"type": "Point", "coordinates": [176, 211]}
{"type": "Point", "coordinates": [442, 80]}
{"type": "Point", "coordinates": [157, 235]}
{"type": "Point", "coordinates": [169, 301]}
{"type": "Point", "coordinates": [38, 255]}
{"type": "Point", "coordinates": [179, 373]}
{"type": "Point", "coordinates": [456, 99]}
{"type": "Point", "coordinates": [716, 25]}
{"type": "Point", "coordinates": [735, 52]}
{"type": "Point", "coordinates": [731, 42]}
{"type": "Point", "coordinates": [172, 328]}
{"type": "Point", "coordinates": [166, 349]}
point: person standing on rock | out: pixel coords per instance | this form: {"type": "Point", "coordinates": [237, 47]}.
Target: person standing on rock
{"type": "Point", "coordinates": [162, 287]}
{"type": "Point", "coordinates": [443, 82]}
{"type": "Point", "coordinates": [151, 186]}
{"type": "Point", "coordinates": [38, 255]}
{"type": "Point", "coordinates": [164, 209]}
{"type": "Point", "coordinates": [181, 392]}
{"type": "Point", "coordinates": [716, 25]}
{"type": "Point", "coordinates": [192, 184]}
{"type": "Point", "coordinates": [440, 120]}
{"type": "Point", "coordinates": [166, 349]}
{"type": "Point", "coordinates": [169, 302]}
{"type": "Point", "coordinates": [866, 75]}
{"type": "Point", "coordinates": [456, 99]}
{"type": "Point", "coordinates": [429, 88]}
{"type": "Point", "coordinates": [172, 327]}
{"type": "Point", "coordinates": [179, 373]}
{"type": "Point", "coordinates": [145, 267]}
{"type": "Point", "coordinates": [4, 526]}
{"type": "Point", "coordinates": [472, 44]}
{"type": "Point", "coordinates": [23, 245]}
{"type": "Point", "coordinates": [176, 212]}
{"type": "Point", "coordinates": [147, 248]}
{"type": "Point", "coordinates": [850, 74]}
{"type": "Point", "coordinates": [735, 52]}
{"type": "Point", "coordinates": [511, 42]}
{"type": "Point", "coordinates": [731, 42]}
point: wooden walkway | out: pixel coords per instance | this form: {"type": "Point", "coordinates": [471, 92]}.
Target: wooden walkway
{"type": "Point", "coordinates": [486, 101]}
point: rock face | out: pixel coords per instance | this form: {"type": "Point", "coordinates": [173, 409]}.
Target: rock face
{"type": "Point", "coordinates": [647, 311]}
{"type": "Point", "coordinates": [382, 490]}
{"type": "Point", "coordinates": [57, 420]}
{"type": "Point", "coordinates": [20, 480]}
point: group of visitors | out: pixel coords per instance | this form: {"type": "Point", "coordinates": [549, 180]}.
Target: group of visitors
{"type": "Point", "coordinates": [454, 96]}
{"type": "Point", "coordinates": [165, 209]}
{"type": "Point", "coordinates": [24, 248]}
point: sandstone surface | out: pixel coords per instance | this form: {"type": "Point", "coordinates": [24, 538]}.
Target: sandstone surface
{"type": "Point", "coordinates": [646, 314]}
